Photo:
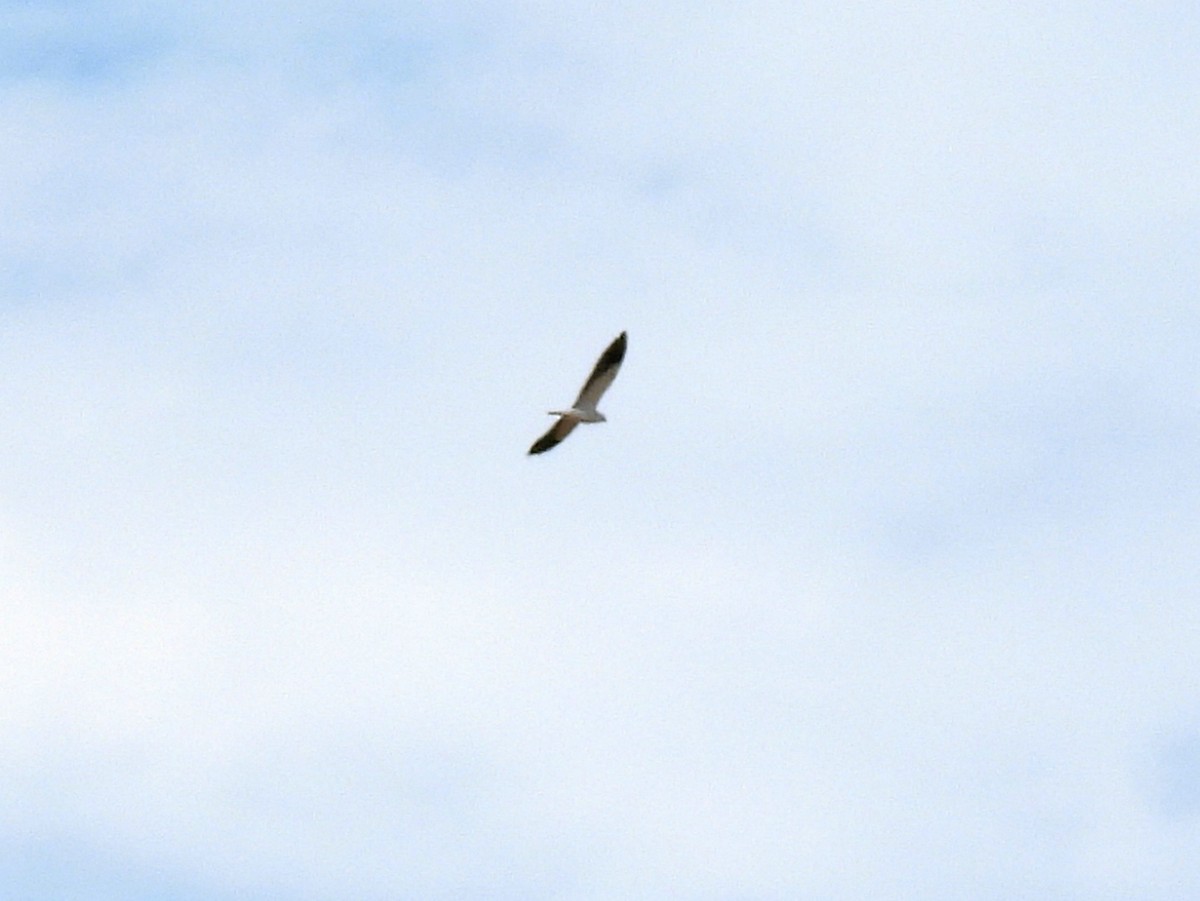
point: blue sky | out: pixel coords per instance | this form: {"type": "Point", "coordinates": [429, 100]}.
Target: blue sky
{"type": "Point", "coordinates": [880, 581]}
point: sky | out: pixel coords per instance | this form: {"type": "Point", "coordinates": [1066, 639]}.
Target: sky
{"type": "Point", "coordinates": [881, 580]}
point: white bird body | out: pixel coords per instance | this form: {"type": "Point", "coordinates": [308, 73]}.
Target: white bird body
{"type": "Point", "coordinates": [584, 408]}
{"type": "Point", "coordinates": [581, 415]}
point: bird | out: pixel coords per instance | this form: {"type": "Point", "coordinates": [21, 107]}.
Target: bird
{"type": "Point", "coordinates": [584, 408]}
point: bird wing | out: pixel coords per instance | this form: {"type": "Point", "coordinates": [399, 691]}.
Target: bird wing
{"type": "Point", "coordinates": [556, 434]}
{"type": "Point", "coordinates": [602, 375]}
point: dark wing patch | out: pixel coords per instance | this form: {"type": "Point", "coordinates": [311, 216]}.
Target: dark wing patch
{"type": "Point", "coordinates": [555, 435]}
{"type": "Point", "coordinates": [603, 373]}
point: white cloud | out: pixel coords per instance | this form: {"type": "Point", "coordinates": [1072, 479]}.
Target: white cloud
{"type": "Point", "coordinates": [878, 581]}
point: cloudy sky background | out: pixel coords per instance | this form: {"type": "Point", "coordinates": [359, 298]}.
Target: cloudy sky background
{"type": "Point", "coordinates": [881, 580]}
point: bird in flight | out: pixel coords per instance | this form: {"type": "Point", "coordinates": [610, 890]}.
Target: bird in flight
{"type": "Point", "coordinates": [584, 408]}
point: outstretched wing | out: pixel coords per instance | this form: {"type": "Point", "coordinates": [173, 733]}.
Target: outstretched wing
{"type": "Point", "coordinates": [602, 375]}
{"type": "Point", "coordinates": [557, 433]}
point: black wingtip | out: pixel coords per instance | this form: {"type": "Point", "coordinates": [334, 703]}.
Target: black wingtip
{"type": "Point", "coordinates": [615, 352]}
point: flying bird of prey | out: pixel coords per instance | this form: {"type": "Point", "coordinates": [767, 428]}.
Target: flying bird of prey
{"type": "Point", "coordinates": [584, 408]}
